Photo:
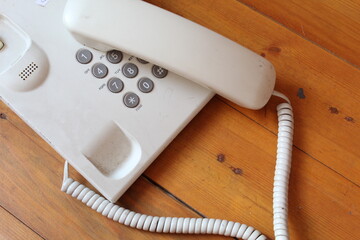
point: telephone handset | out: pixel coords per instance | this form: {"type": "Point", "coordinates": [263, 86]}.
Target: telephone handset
{"type": "Point", "coordinates": [175, 43]}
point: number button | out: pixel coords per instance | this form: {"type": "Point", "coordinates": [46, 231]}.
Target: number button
{"type": "Point", "coordinates": [99, 70]}
{"type": "Point", "coordinates": [142, 61]}
{"type": "Point", "coordinates": [145, 85]}
{"type": "Point", "coordinates": [159, 72]}
{"type": "Point", "coordinates": [115, 85]}
{"type": "Point", "coordinates": [130, 70]}
{"type": "Point", "coordinates": [114, 56]}
{"type": "Point", "coordinates": [83, 56]}
{"type": "Point", "coordinates": [131, 100]}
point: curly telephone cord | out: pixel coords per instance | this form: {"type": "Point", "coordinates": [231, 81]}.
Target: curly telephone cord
{"type": "Point", "coordinates": [205, 225]}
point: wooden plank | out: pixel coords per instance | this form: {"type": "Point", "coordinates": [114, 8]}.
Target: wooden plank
{"type": "Point", "coordinates": [333, 24]}
{"type": "Point", "coordinates": [31, 175]}
{"type": "Point", "coordinates": [12, 228]}
{"type": "Point", "coordinates": [323, 204]}
{"type": "Point", "coordinates": [327, 119]}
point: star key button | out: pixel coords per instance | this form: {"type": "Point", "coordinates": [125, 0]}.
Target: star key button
{"type": "Point", "coordinates": [131, 100]}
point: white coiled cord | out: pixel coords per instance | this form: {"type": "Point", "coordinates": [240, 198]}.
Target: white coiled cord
{"type": "Point", "coordinates": [282, 168]}
{"type": "Point", "coordinates": [204, 225]}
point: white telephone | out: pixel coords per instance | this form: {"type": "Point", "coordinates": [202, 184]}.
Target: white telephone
{"type": "Point", "coordinates": [111, 102]}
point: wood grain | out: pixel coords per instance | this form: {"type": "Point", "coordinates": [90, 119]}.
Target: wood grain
{"type": "Point", "coordinates": [332, 24]}
{"type": "Point", "coordinates": [240, 188]}
{"type": "Point", "coordinates": [12, 228]}
{"type": "Point", "coordinates": [330, 85]}
{"type": "Point", "coordinates": [30, 189]}
{"type": "Point", "coordinates": [324, 189]}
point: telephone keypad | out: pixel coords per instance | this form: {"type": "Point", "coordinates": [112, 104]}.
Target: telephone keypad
{"type": "Point", "coordinates": [115, 85]}
{"type": "Point", "coordinates": [114, 56]}
{"type": "Point", "coordinates": [159, 72]}
{"type": "Point", "coordinates": [83, 56]}
{"type": "Point", "coordinates": [130, 70]}
{"type": "Point", "coordinates": [99, 70]}
{"type": "Point", "coordinates": [131, 100]}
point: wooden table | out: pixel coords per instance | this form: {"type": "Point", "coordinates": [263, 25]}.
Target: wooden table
{"type": "Point", "coordinates": [222, 164]}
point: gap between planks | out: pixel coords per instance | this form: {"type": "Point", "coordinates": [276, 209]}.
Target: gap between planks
{"type": "Point", "coordinates": [22, 227]}
{"type": "Point", "coordinates": [300, 35]}
{"type": "Point", "coordinates": [294, 146]}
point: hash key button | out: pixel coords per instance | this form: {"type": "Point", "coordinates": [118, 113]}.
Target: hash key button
{"type": "Point", "coordinates": [159, 72]}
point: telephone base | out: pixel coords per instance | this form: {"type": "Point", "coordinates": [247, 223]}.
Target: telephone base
{"type": "Point", "coordinates": [107, 120]}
